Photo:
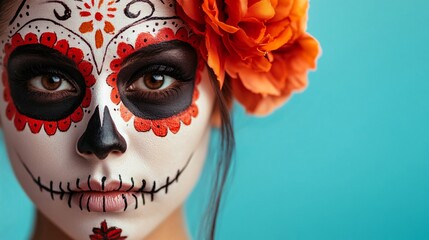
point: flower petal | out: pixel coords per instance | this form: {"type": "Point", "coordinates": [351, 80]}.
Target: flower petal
{"type": "Point", "coordinates": [262, 10]}
{"type": "Point", "coordinates": [99, 39]}
{"type": "Point", "coordinates": [86, 27]}
{"type": "Point", "coordinates": [192, 10]}
{"type": "Point", "coordinates": [108, 27]}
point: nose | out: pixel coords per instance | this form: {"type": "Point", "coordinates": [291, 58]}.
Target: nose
{"type": "Point", "coordinates": [101, 139]}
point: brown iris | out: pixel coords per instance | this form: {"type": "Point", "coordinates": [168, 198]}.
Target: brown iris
{"type": "Point", "coordinates": [51, 82]}
{"type": "Point", "coordinates": [153, 81]}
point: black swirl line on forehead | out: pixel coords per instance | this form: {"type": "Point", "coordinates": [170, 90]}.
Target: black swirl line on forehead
{"type": "Point", "coordinates": [68, 193]}
{"type": "Point", "coordinates": [67, 15]}
{"type": "Point", "coordinates": [130, 14]}
{"type": "Point", "coordinates": [67, 11]}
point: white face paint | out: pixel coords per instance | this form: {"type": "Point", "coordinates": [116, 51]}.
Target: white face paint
{"type": "Point", "coordinates": [97, 127]}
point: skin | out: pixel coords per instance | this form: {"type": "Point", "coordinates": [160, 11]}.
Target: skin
{"type": "Point", "coordinates": [80, 155]}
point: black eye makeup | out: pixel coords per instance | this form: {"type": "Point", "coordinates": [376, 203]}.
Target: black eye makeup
{"type": "Point", "coordinates": [44, 84]}
{"type": "Point", "coordinates": [157, 81]}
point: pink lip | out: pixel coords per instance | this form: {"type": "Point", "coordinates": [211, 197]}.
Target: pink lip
{"type": "Point", "coordinates": [112, 197]}
{"type": "Point", "coordinates": [96, 186]}
{"type": "Point", "coordinates": [105, 201]}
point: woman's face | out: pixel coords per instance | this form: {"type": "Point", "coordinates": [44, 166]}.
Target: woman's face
{"type": "Point", "coordinates": [105, 112]}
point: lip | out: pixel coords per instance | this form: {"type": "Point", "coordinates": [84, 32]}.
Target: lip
{"type": "Point", "coordinates": [105, 201]}
{"type": "Point", "coordinates": [94, 196]}
{"type": "Point", "coordinates": [94, 186]}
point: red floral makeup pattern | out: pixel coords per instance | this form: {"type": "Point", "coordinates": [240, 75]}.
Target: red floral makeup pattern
{"type": "Point", "coordinates": [106, 233]}
{"type": "Point", "coordinates": [159, 127]}
{"type": "Point", "coordinates": [48, 39]}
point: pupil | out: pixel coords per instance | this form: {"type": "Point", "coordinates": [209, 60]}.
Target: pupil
{"type": "Point", "coordinates": [51, 82]}
{"type": "Point", "coordinates": [154, 82]}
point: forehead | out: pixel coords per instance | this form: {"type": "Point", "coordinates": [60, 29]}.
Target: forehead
{"type": "Point", "coordinates": [95, 25]}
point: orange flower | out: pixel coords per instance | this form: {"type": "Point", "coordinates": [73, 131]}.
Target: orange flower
{"type": "Point", "coordinates": [95, 13]}
{"type": "Point", "coordinates": [261, 44]}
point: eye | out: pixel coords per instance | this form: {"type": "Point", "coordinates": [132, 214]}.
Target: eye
{"type": "Point", "coordinates": [50, 83]}
{"type": "Point", "coordinates": [152, 82]}
{"type": "Point", "coordinates": [158, 81]}
{"type": "Point", "coordinates": [44, 84]}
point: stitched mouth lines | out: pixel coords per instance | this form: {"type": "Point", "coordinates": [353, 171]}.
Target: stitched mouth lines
{"type": "Point", "coordinates": [65, 192]}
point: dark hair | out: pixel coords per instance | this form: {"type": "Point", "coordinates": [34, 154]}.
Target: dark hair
{"type": "Point", "coordinates": [224, 157]}
{"type": "Point", "coordinates": [6, 8]}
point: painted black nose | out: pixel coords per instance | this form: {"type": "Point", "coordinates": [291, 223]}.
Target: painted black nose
{"type": "Point", "coordinates": [101, 139]}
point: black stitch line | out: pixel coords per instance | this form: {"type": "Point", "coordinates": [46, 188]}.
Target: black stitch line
{"type": "Point", "coordinates": [179, 173]}
{"type": "Point", "coordinates": [177, 176]}
{"type": "Point", "coordinates": [137, 202]}
{"type": "Point", "coordinates": [153, 191]}
{"type": "Point", "coordinates": [166, 185]}
{"type": "Point", "coordinates": [120, 183]}
{"type": "Point", "coordinates": [62, 191]}
{"type": "Point", "coordinates": [132, 186]}
{"type": "Point", "coordinates": [125, 201]}
{"type": "Point", "coordinates": [80, 202]}
{"type": "Point", "coordinates": [89, 184]}
{"type": "Point", "coordinates": [69, 201]}
{"type": "Point", "coordinates": [77, 184]}
{"type": "Point", "coordinates": [104, 204]}
{"type": "Point", "coordinates": [143, 185]}
{"type": "Point", "coordinates": [87, 204]}
{"type": "Point", "coordinates": [103, 181]}
{"type": "Point", "coordinates": [39, 183]}
{"type": "Point", "coordinates": [68, 187]}
{"type": "Point", "coordinates": [141, 190]}
{"type": "Point", "coordinates": [50, 189]}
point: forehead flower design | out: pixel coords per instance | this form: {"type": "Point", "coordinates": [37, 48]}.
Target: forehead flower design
{"type": "Point", "coordinates": [98, 13]}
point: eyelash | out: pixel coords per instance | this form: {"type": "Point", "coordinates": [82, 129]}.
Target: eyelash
{"type": "Point", "coordinates": [31, 71]}
{"type": "Point", "coordinates": [34, 70]}
{"type": "Point", "coordinates": [173, 90]}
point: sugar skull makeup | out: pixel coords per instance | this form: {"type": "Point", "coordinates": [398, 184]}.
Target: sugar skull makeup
{"type": "Point", "coordinates": [105, 111]}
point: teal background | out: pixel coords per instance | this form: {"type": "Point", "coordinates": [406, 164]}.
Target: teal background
{"type": "Point", "coordinates": [346, 159]}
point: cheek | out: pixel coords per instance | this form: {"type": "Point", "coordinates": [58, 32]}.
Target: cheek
{"type": "Point", "coordinates": [161, 150]}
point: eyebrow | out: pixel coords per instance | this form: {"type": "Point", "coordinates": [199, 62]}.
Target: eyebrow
{"type": "Point", "coordinates": [154, 49]}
